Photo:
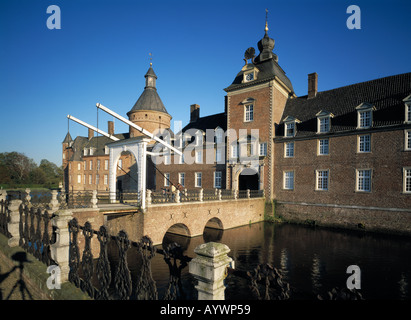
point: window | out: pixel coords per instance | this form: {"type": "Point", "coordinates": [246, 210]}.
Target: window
{"type": "Point", "coordinates": [289, 150]}
{"type": "Point", "coordinates": [218, 137]}
{"type": "Point", "coordinates": [365, 119]}
{"type": "Point", "coordinates": [248, 112]}
{"type": "Point", "coordinates": [263, 149]}
{"type": "Point", "coordinates": [323, 147]}
{"type": "Point", "coordinates": [84, 179]}
{"type": "Point", "coordinates": [79, 166]}
{"type": "Point", "coordinates": [97, 179]}
{"type": "Point", "coordinates": [105, 179]}
{"type": "Point", "coordinates": [322, 180]}
{"type": "Point", "coordinates": [199, 156]}
{"type": "Point", "coordinates": [289, 129]}
{"type": "Point", "coordinates": [408, 140]}
{"type": "Point", "coordinates": [407, 102]}
{"type": "Point", "coordinates": [85, 164]}
{"type": "Point", "coordinates": [217, 179]}
{"type": "Point", "coordinates": [91, 165]}
{"type": "Point", "coordinates": [365, 115]}
{"type": "Point", "coordinates": [407, 180]}
{"type": "Point", "coordinates": [234, 151]}
{"type": "Point", "coordinates": [289, 180]}
{"type": "Point", "coordinates": [364, 180]}
{"type": "Point", "coordinates": [217, 155]}
{"type": "Point", "coordinates": [166, 179]}
{"type": "Point", "coordinates": [198, 178]}
{"type": "Point", "coordinates": [364, 143]}
{"type": "Point", "coordinates": [106, 150]}
{"type": "Point", "coordinates": [90, 179]}
{"type": "Point", "coordinates": [79, 178]}
{"type": "Point", "coordinates": [105, 164]}
{"type": "Point", "coordinates": [249, 76]}
{"type": "Point", "coordinates": [181, 178]}
{"type": "Point", "coordinates": [324, 124]}
{"type": "Point", "coordinates": [98, 164]}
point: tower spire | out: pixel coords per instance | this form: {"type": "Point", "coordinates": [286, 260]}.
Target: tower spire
{"type": "Point", "coordinates": [266, 21]}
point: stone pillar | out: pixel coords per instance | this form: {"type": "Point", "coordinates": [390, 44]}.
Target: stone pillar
{"type": "Point", "coordinates": [201, 195]}
{"type": "Point", "coordinates": [209, 268]}
{"type": "Point", "coordinates": [13, 225]}
{"type": "Point", "coordinates": [3, 195]}
{"type": "Point", "coordinates": [94, 199]}
{"type": "Point", "coordinates": [177, 196]}
{"type": "Point", "coordinates": [54, 203]}
{"type": "Point", "coordinates": [60, 249]}
{"type": "Point", "coordinates": [219, 194]}
{"type": "Point", "coordinates": [148, 197]}
{"type": "Point", "coordinates": [248, 193]}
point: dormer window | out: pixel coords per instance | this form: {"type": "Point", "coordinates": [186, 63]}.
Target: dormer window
{"type": "Point", "coordinates": [290, 129]}
{"type": "Point", "coordinates": [324, 121]}
{"type": "Point", "coordinates": [365, 115]}
{"type": "Point", "coordinates": [407, 102]}
{"type": "Point", "coordinates": [249, 76]}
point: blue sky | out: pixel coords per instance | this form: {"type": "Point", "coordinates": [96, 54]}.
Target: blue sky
{"type": "Point", "coordinates": [101, 54]}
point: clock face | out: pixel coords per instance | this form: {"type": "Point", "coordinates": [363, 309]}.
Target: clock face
{"type": "Point", "coordinates": [249, 77]}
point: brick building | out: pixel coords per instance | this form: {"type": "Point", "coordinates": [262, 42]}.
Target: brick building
{"type": "Point", "coordinates": [345, 148]}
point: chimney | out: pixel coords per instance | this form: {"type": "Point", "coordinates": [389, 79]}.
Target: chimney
{"type": "Point", "coordinates": [90, 133]}
{"type": "Point", "coordinates": [312, 85]}
{"type": "Point", "coordinates": [194, 112]}
{"type": "Point", "coordinates": [110, 127]}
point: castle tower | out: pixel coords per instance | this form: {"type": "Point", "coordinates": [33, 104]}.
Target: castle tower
{"type": "Point", "coordinates": [149, 111]}
{"type": "Point", "coordinates": [255, 102]}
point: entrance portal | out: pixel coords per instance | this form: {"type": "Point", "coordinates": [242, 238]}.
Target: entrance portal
{"type": "Point", "coordinates": [248, 179]}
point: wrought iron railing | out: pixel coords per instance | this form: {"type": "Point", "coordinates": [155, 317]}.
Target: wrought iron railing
{"type": "Point", "coordinates": [36, 233]}
{"type": "Point", "coordinates": [97, 278]}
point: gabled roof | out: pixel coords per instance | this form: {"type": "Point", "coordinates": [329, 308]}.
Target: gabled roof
{"type": "Point", "coordinates": [385, 95]}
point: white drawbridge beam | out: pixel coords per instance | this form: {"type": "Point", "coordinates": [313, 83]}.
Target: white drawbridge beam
{"type": "Point", "coordinates": [142, 130]}
{"type": "Point", "coordinates": [93, 128]}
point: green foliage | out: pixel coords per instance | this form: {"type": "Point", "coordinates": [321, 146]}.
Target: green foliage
{"type": "Point", "coordinates": [17, 170]}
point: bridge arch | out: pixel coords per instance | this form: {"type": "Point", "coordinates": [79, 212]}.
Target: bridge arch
{"type": "Point", "coordinates": [179, 229]}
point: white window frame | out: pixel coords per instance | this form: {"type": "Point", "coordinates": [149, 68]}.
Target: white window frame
{"type": "Point", "coordinates": [249, 112]}
{"type": "Point", "coordinates": [198, 178]}
{"type": "Point", "coordinates": [322, 180]}
{"type": "Point", "coordinates": [79, 178]}
{"type": "Point", "coordinates": [407, 140]}
{"type": "Point", "coordinates": [363, 145]}
{"type": "Point", "coordinates": [90, 179]}
{"type": "Point", "coordinates": [106, 179]}
{"type": "Point", "coordinates": [323, 148]}
{"type": "Point", "coordinates": [91, 165]}
{"type": "Point", "coordinates": [79, 166]}
{"type": "Point", "coordinates": [362, 176]}
{"type": "Point", "coordinates": [362, 110]}
{"type": "Point", "coordinates": [407, 102]}
{"type": "Point", "coordinates": [289, 149]}
{"type": "Point", "coordinates": [406, 180]}
{"type": "Point", "coordinates": [181, 178]}
{"type": "Point", "coordinates": [288, 180]}
{"type": "Point", "coordinates": [166, 179]}
{"type": "Point", "coordinates": [263, 149]}
{"type": "Point", "coordinates": [290, 123]}
{"type": "Point", "coordinates": [199, 156]}
{"type": "Point", "coordinates": [106, 164]}
{"type": "Point", "coordinates": [218, 179]}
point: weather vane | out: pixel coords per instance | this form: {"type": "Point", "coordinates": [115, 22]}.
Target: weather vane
{"type": "Point", "coordinates": [266, 20]}
{"type": "Point", "coordinates": [151, 58]}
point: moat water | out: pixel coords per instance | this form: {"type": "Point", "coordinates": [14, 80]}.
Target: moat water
{"type": "Point", "coordinates": [312, 260]}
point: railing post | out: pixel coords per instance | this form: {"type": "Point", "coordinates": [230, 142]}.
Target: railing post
{"type": "Point", "coordinates": [219, 194]}
{"type": "Point", "coordinates": [148, 197]}
{"type": "Point", "coordinates": [94, 199]}
{"type": "Point", "coordinates": [209, 268]}
{"type": "Point", "coordinates": [248, 193]}
{"type": "Point", "coordinates": [54, 203]}
{"type": "Point", "coordinates": [235, 191]}
{"type": "Point", "coordinates": [27, 197]}
{"type": "Point", "coordinates": [177, 196]}
{"type": "Point", "coordinates": [60, 249]}
{"type": "Point", "coordinates": [13, 225]}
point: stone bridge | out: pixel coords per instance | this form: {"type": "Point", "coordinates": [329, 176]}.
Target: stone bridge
{"type": "Point", "coordinates": [187, 219]}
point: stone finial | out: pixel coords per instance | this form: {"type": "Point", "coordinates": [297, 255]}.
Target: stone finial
{"type": "Point", "coordinates": [209, 268]}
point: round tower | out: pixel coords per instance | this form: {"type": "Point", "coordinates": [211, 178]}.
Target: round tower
{"type": "Point", "coordinates": [149, 111]}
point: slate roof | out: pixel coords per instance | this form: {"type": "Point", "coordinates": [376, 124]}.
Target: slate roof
{"type": "Point", "coordinates": [385, 94]}
{"type": "Point", "coordinates": [268, 70]}
{"type": "Point", "coordinates": [209, 122]}
{"type": "Point", "coordinates": [97, 142]}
